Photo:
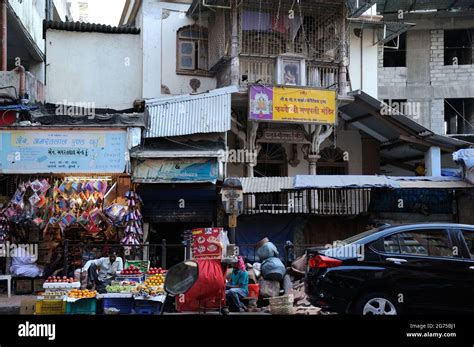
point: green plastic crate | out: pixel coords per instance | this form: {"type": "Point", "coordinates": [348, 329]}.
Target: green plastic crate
{"type": "Point", "coordinates": [82, 306]}
{"type": "Point", "coordinates": [143, 265]}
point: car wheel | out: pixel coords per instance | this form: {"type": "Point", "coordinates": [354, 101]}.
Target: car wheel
{"type": "Point", "coordinates": [377, 304]}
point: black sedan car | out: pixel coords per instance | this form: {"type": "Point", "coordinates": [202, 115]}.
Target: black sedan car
{"type": "Point", "coordinates": [419, 268]}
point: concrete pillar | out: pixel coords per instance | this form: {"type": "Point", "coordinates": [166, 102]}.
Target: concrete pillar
{"type": "Point", "coordinates": [433, 162]}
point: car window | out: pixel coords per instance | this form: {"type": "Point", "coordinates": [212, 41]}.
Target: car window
{"type": "Point", "coordinates": [390, 244]}
{"type": "Point", "coordinates": [433, 243]}
{"type": "Point", "coordinates": [469, 238]}
{"type": "Point", "coordinates": [360, 236]}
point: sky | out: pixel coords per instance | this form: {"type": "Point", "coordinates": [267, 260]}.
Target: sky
{"type": "Point", "coordinates": [104, 11]}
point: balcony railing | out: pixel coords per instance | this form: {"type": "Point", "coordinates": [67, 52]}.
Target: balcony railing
{"type": "Point", "coordinates": [257, 70]}
{"type": "Point", "coordinates": [322, 76]}
{"type": "Point", "coordinates": [327, 202]}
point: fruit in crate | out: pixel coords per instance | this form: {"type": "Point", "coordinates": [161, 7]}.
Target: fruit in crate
{"type": "Point", "coordinates": [59, 279]}
{"type": "Point", "coordinates": [82, 294]}
{"type": "Point", "coordinates": [156, 271]}
{"type": "Point", "coordinates": [119, 288]}
{"type": "Point", "coordinates": [155, 280]}
{"type": "Point", "coordinates": [132, 270]}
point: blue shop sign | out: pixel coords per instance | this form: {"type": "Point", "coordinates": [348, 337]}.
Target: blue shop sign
{"type": "Point", "coordinates": [59, 151]}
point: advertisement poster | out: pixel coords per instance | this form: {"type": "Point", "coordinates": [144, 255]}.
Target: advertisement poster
{"type": "Point", "coordinates": [292, 105]}
{"type": "Point", "coordinates": [45, 151]}
{"type": "Point", "coordinates": [176, 170]}
{"type": "Point", "coordinates": [206, 243]}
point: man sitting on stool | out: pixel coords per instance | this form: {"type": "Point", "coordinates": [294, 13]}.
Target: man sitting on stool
{"type": "Point", "coordinates": [101, 271]}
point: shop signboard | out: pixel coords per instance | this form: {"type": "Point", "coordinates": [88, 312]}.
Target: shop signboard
{"type": "Point", "coordinates": [175, 170]}
{"type": "Point", "coordinates": [61, 151]}
{"type": "Point", "coordinates": [292, 105]}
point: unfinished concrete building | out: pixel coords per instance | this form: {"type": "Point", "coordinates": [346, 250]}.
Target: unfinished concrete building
{"type": "Point", "coordinates": [431, 66]}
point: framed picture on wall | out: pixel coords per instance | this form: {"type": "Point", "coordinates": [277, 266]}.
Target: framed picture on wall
{"type": "Point", "coordinates": [291, 71]}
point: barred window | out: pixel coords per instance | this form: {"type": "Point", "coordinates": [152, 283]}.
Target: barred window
{"type": "Point", "coordinates": [192, 49]}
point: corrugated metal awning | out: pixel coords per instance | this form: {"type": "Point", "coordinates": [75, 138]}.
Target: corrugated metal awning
{"type": "Point", "coordinates": [343, 181]}
{"type": "Point", "coordinates": [208, 112]}
{"type": "Point", "coordinates": [253, 185]}
{"type": "Point", "coordinates": [401, 138]}
{"type": "Point", "coordinates": [266, 184]}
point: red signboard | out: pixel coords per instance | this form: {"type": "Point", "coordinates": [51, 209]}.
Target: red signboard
{"type": "Point", "coordinates": [206, 243]}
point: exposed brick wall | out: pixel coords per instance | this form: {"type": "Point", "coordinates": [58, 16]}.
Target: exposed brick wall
{"type": "Point", "coordinates": [442, 75]}
{"type": "Point", "coordinates": [445, 82]}
{"type": "Point", "coordinates": [390, 76]}
{"type": "Point", "coordinates": [437, 116]}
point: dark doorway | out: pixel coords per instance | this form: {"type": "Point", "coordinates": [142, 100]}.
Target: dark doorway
{"type": "Point", "coordinates": [271, 161]}
{"type": "Point", "coordinates": [172, 233]}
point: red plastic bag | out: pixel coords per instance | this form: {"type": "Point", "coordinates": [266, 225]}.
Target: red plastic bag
{"type": "Point", "coordinates": [208, 291]}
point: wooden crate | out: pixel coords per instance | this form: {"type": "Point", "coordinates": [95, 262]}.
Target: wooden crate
{"type": "Point", "coordinates": [23, 285]}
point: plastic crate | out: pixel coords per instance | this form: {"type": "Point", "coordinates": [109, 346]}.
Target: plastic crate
{"type": "Point", "coordinates": [23, 285]}
{"type": "Point", "coordinates": [147, 307]}
{"type": "Point", "coordinates": [135, 278]}
{"type": "Point", "coordinates": [82, 306]}
{"type": "Point", "coordinates": [125, 305]}
{"type": "Point", "coordinates": [143, 265]}
{"type": "Point", "coordinates": [49, 307]}
{"type": "Point", "coordinates": [38, 284]}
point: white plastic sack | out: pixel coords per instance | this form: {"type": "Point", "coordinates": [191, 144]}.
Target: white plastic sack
{"type": "Point", "coordinates": [24, 266]}
{"type": "Point", "coordinates": [224, 240]}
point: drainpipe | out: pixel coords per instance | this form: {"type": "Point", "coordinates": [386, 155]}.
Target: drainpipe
{"type": "Point", "coordinates": [22, 90]}
{"type": "Point", "coordinates": [3, 34]}
{"type": "Point", "coordinates": [234, 48]}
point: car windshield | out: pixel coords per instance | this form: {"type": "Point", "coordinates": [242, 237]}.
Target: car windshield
{"type": "Point", "coordinates": [357, 237]}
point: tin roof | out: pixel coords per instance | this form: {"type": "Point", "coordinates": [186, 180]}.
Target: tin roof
{"type": "Point", "coordinates": [208, 112]}
{"type": "Point", "coordinates": [89, 27]}
{"type": "Point", "coordinates": [266, 184]}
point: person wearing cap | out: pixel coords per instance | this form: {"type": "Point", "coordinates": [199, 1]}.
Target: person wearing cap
{"type": "Point", "coordinates": [237, 286]}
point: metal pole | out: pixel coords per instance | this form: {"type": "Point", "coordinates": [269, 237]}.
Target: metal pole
{"type": "Point", "coordinates": [3, 34]}
{"type": "Point", "coordinates": [234, 49]}
{"type": "Point", "coordinates": [232, 236]}
{"type": "Point", "coordinates": [66, 251]}
{"type": "Point", "coordinates": [343, 65]}
{"type": "Point", "coordinates": [163, 253]}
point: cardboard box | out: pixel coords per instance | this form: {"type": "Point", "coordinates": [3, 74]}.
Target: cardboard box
{"type": "Point", "coordinates": [28, 306]}
{"type": "Point", "coordinates": [23, 286]}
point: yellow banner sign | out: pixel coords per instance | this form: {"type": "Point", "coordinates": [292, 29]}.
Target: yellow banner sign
{"type": "Point", "coordinates": [293, 105]}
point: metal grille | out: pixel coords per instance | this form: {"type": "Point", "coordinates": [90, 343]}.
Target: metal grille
{"type": "Point", "coordinates": [219, 43]}
{"type": "Point", "coordinates": [329, 202]}
{"type": "Point", "coordinates": [266, 28]}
